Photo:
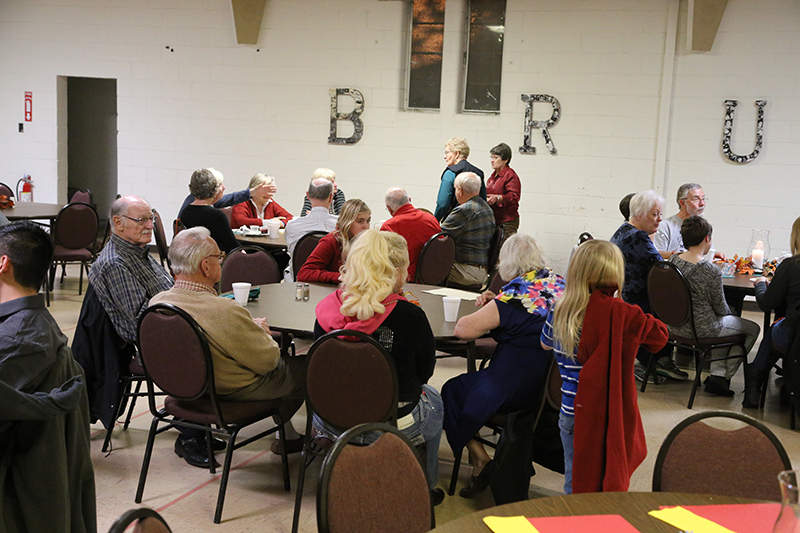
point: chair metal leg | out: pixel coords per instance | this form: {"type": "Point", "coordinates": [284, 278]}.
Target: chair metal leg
{"type": "Point", "coordinates": [132, 400]}
{"type": "Point", "coordinates": [298, 499]}
{"type": "Point", "coordinates": [454, 475]}
{"type": "Point", "coordinates": [80, 277]}
{"type": "Point", "coordinates": [651, 371]}
{"type": "Point", "coordinates": [226, 471]}
{"type": "Point", "coordinates": [211, 468]}
{"type": "Point", "coordinates": [698, 364]}
{"type": "Point", "coordinates": [284, 457]}
{"type": "Point", "coordinates": [148, 452]}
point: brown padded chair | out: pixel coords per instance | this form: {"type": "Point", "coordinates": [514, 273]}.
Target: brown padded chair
{"type": "Point", "coordinates": [351, 380]}
{"type": "Point", "coordinates": [495, 244]}
{"type": "Point", "coordinates": [83, 196]}
{"type": "Point", "coordinates": [228, 213]}
{"type": "Point", "coordinates": [549, 395]}
{"type": "Point", "coordinates": [6, 190]}
{"type": "Point", "coordinates": [305, 245]}
{"type": "Point", "coordinates": [744, 462]}
{"type": "Point", "coordinates": [176, 358]}
{"type": "Point", "coordinates": [251, 264]}
{"type": "Point", "coordinates": [135, 375]}
{"type": "Point", "coordinates": [161, 240]}
{"type": "Point", "coordinates": [380, 487]}
{"type": "Point", "coordinates": [671, 302]}
{"type": "Point", "coordinates": [436, 260]}
{"type": "Point", "coordinates": [74, 235]}
{"type": "Point", "coordinates": [143, 519]}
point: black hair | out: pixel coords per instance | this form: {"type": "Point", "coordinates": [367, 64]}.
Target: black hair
{"type": "Point", "coordinates": [503, 151]}
{"type": "Point", "coordinates": [30, 251]}
{"type": "Point", "coordinates": [694, 229]}
{"type": "Point", "coordinates": [625, 206]}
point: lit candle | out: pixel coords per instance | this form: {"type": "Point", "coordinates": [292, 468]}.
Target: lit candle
{"type": "Point", "coordinates": [758, 258]}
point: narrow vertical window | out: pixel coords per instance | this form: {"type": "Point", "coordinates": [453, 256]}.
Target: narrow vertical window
{"type": "Point", "coordinates": [484, 70]}
{"type": "Point", "coordinates": [424, 74]}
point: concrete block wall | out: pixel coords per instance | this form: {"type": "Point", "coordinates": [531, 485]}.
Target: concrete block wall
{"type": "Point", "coordinates": [189, 97]}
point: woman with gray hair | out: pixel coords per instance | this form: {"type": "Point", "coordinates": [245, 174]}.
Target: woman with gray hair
{"type": "Point", "coordinates": [517, 373]}
{"type": "Point", "coordinates": [207, 188]}
{"type": "Point", "coordinates": [633, 239]}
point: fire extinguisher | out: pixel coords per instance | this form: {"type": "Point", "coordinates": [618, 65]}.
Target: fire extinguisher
{"type": "Point", "coordinates": [26, 195]}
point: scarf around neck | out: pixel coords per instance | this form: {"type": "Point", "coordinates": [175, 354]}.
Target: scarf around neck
{"type": "Point", "coordinates": [535, 292]}
{"type": "Point", "coordinates": [330, 317]}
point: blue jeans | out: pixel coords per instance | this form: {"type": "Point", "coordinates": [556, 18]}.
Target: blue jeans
{"type": "Point", "coordinates": [566, 424]}
{"type": "Point", "coordinates": [427, 428]}
{"type": "Point", "coordinates": [781, 334]}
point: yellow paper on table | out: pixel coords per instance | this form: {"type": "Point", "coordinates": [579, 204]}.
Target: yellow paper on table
{"type": "Point", "coordinates": [686, 520]}
{"type": "Point", "coordinates": [509, 524]}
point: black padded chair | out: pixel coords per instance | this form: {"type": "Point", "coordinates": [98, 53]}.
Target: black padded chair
{"type": "Point", "coordinates": [380, 486]}
{"type": "Point", "coordinates": [176, 358]}
{"type": "Point", "coordinates": [161, 241]}
{"type": "Point", "coordinates": [671, 302]}
{"type": "Point", "coordinates": [6, 190]}
{"type": "Point", "coordinates": [74, 234]}
{"type": "Point", "coordinates": [436, 260]}
{"type": "Point", "coordinates": [143, 520]}
{"type": "Point", "coordinates": [745, 462]}
{"type": "Point", "coordinates": [305, 245]}
{"type": "Point", "coordinates": [351, 380]}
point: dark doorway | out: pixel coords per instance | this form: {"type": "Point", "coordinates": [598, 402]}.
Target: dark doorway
{"type": "Point", "coordinates": [92, 139]}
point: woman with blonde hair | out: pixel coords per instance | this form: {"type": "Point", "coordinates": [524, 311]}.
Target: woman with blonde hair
{"type": "Point", "coordinates": [371, 301]}
{"type": "Point", "coordinates": [514, 379]}
{"type": "Point", "coordinates": [456, 152]}
{"type": "Point", "coordinates": [782, 293]}
{"type": "Point", "coordinates": [261, 208]}
{"type": "Point", "coordinates": [338, 194]}
{"type": "Point", "coordinates": [595, 336]}
{"type": "Point", "coordinates": [323, 265]}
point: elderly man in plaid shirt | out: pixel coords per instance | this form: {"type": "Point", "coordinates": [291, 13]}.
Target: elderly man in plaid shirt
{"type": "Point", "coordinates": [471, 224]}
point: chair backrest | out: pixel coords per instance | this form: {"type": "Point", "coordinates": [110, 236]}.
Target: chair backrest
{"type": "Point", "coordinates": [6, 190]}
{"type": "Point", "coordinates": [742, 462]}
{"type": "Point", "coordinates": [554, 382]}
{"type": "Point", "coordinates": [305, 245]}
{"type": "Point", "coordinates": [161, 240]}
{"type": "Point", "coordinates": [585, 236]}
{"type": "Point", "coordinates": [496, 283]}
{"type": "Point", "coordinates": [175, 355]}
{"type": "Point", "coordinates": [351, 380]}
{"type": "Point", "coordinates": [177, 227]}
{"type": "Point", "coordinates": [228, 213]}
{"type": "Point", "coordinates": [436, 260]}
{"type": "Point", "coordinates": [145, 519]}
{"type": "Point", "coordinates": [251, 264]}
{"type": "Point", "coordinates": [668, 291]}
{"type": "Point", "coordinates": [377, 487]}
{"type": "Point", "coordinates": [76, 226]}
{"type": "Point", "coordinates": [494, 248]}
{"type": "Point", "coordinates": [82, 195]}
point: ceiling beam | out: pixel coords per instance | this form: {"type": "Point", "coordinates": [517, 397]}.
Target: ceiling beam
{"type": "Point", "coordinates": [703, 23]}
{"type": "Point", "coordinates": [247, 15]}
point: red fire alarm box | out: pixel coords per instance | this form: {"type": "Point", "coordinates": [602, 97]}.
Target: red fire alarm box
{"type": "Point", "coordinates": [28, 106]}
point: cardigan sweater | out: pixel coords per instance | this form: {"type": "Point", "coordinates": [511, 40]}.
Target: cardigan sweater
{"type": "Point", "coordinates": [245, 214]}
{"type": "Point", "coordinates": [609, 442]}
{"type": "Point", "coordinates": [322, 266]}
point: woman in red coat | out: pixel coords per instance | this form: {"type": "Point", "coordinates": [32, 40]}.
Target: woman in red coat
{"type": "Point", "coordinates": [323, 265]}
{"type": "Point", "coordinates": [261, 208]}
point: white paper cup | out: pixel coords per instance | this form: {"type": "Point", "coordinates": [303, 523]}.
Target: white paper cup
{"type": "Point", "coordinates": [241, 292]}
{"type": "Point", "coordinates": [274, 229]}
{"type": "Point", "coordinates": [451, 308]}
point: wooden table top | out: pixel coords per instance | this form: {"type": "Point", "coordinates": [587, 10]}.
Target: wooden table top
{"type": "Point", "coordinates": [633, 506]}
{"type": "Point", "coordinates": [283, 313]}
{"type": "Point", "coordinates": [32, 210]}
{"type": "Point", "coordinates": [740, 282]}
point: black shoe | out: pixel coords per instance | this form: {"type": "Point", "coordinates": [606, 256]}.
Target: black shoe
{"type": "Point", "coordinates": [718, 386]}
{"type": "Point", "coordinates": [477, 483]}
{"type": "Point", "coordinates": [437, 496]}
{"type": "Point", "coordinates": [753, 379]}
{"type": "Point", "coordinates": [193, 451]}
{"type": "Point", "coordinates": [217, 445]}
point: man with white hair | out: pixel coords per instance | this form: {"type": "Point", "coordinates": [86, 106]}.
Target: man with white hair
{"type": "Point", "coordinates": [471, 224]}
{"type": "Point", "coordinates": [320, 195]}
{"type": "Point", "coordinates": [247, 361]}
{"type": "Point", "coordinates": [414, 225]}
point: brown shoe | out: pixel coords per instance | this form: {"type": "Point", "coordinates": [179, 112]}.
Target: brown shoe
{"type": "Point", "coordinates": [292, 445]}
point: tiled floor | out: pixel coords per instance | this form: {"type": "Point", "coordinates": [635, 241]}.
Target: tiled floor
{"type": "Point", "coordinates": [256, 501]}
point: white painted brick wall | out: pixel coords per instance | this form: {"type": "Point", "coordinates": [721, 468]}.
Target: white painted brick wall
{"type": "Point", "coordinates": [211, 102]}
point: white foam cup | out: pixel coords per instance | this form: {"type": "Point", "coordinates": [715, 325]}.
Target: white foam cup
{"type": "Point", "coordinates": [241, 292]}
{"type": "Point", "coordinates": [451, 305]}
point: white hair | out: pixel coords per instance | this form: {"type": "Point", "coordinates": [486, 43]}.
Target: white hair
{"type": "Point", "coordinates": [643, 201]}
{"type": "Point", "coordinates": [188, 249]}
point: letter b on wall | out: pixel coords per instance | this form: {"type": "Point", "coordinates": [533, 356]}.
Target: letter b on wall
{"type": "Point", "coordinates": [353, 116]}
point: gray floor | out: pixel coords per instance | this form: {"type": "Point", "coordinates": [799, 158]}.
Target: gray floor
{"type": "Point", "coordinates": [255, 499]}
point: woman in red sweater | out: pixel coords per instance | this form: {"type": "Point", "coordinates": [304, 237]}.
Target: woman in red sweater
{"type": "Point", "coordinates": [323, 265]}
{"type": "Point", "coordinates": [261, 207]}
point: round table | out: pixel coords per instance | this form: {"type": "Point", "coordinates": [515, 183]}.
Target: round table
{"type": "Point", "coordinates": [632, 506]}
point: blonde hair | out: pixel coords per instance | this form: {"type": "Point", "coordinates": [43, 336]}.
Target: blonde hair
{"type": "Point", "coordinates": [595, 264]}
{"type": "Point", "coordinates": [458, 144]}
{"type": "Point", "coordinates": [326, 173]}
{"type": "Point", "coordinates": [349, 213]}
{"type": "Point", "coordinates": [261, 179]}
{"type": "Point", "coordinates": [795, 237]}
{"type": "Point", "coordinates": [375, 262]}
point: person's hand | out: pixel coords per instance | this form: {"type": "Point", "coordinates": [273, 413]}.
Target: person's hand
{"type": "Point", "coordinates": [493, 199]}
{"type": "Point", "coordinates": [270, 189]}
{"type": "Point", "coordinates": [484, 298]}
{"type": "Point", "coordinates": [720, 256]}
{"type": "Point", "coordinates": [759, 279]}
{"type": "Point", "coordinates": [262, 323]}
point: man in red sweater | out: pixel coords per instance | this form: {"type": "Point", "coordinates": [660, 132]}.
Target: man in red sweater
{"type": "Point", "coordinates": [414, 225]}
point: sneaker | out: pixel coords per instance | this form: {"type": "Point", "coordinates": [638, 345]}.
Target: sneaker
{"type": "Point", "coordinates": [640, 370]}
{"type": "Point", "coordinates": [668, 369]}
